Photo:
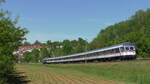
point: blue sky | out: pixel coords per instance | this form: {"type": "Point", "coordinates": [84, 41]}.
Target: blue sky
{"type": "Point", "coordinates": [57, 20]}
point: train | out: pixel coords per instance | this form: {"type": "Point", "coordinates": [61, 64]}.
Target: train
{"type": "Point", "coordinates": [123, 51]}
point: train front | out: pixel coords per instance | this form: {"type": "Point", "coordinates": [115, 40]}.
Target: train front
{"type": "Point", "coordinates": [128, 51]}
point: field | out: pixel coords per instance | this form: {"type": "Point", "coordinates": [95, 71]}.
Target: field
{"type": "Point", "coordinates": [129, 72]}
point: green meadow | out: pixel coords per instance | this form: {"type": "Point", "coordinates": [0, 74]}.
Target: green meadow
{"type": "Point", "coordinates": [128, 72]}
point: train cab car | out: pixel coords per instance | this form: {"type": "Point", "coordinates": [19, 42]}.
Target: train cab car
{"type": "Point", "coordinates": [128, 51]}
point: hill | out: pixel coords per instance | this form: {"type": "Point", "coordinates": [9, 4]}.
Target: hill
{"type": "Point", "coordinates": [135, 30]}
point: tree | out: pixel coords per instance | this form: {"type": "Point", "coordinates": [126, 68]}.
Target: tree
{"type": "Point", "coordinates": [2, 1]}
{"type": "Point", "coordinates": [82, 45]}
{"type": "Point", "coordinates": [67, 47]}
{"type": "Point", "coordinates": [43, 53]}
{"type": "Point", "coordinates": [27, 57]}
{"type": "Point", "coordinates": [35, 55]}
{"type": "Point", "coordinates": [37, 42]}
{"type": "Point", "coordinates": [11, 36]}
{"type": "Point", "coordinates": [26, 43]}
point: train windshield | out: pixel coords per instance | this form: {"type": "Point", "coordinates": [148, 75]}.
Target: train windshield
{"type": "Point", "coordinates": [127, 48]}
{"type": "Point", "coordinates": [132, 48]}
{"type": "Point", "coordinates": [122, 49]}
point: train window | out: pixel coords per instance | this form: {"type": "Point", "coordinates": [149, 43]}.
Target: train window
{"type": "Point", "coordinates": [88, 55]}
{"type": "Point", "coordinates": [131, 48]}
{"type": "Point", "coordinates": [99, 53]}
{"type": "Point", "coordinates": [93, 54]}
{"type": "Point", "coordinates": [122, 49]}
{"type": "Point", "coordinates": [116, 50]}
{"type": "Point", "coordinates": [107, 51]}
{"type": "Point", "coordinates": [96, 53]}
{"type": "Point", "coordinates": [111, 51]}
{"type": "Point", "coordinates": [127, 48]}
{"type": "Point", "coordinates": [103, 52]}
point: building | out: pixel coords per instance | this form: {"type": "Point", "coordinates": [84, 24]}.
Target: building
{"type": "Point", "coordinates": [29, 48]}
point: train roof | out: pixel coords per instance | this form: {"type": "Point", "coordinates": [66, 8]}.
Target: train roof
{"type": "Point", "coordinates": [96, 50]}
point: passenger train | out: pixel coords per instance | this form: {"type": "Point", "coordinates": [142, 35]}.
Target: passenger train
{"type": "Point", "coordinates": [123, 51]}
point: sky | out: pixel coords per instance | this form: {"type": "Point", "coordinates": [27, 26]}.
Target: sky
{"type": "Point", "coordinates": [58, 20]}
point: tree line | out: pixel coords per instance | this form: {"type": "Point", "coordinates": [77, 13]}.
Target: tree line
{"type": "Point", "coordinates": [53, 49]}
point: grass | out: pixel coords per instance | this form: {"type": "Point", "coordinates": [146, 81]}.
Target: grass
{"type": "Point", "coordinates": [132, 72]}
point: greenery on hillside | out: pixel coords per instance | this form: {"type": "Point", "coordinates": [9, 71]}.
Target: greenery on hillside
{"type": "Point", "coordinates": [135, 30]}
{"type": "Point", "coordinates": [11, 37]}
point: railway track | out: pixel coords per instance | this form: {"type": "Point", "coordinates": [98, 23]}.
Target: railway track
{"type": "Point", "coordinates": [143, 59]}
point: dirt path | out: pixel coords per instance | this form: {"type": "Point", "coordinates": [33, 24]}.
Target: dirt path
{"type": "Point", "coordinates": [46, 75]}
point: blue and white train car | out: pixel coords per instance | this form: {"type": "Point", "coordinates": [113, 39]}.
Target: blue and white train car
{"type": "Point", "coordinates": [124, 51]}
